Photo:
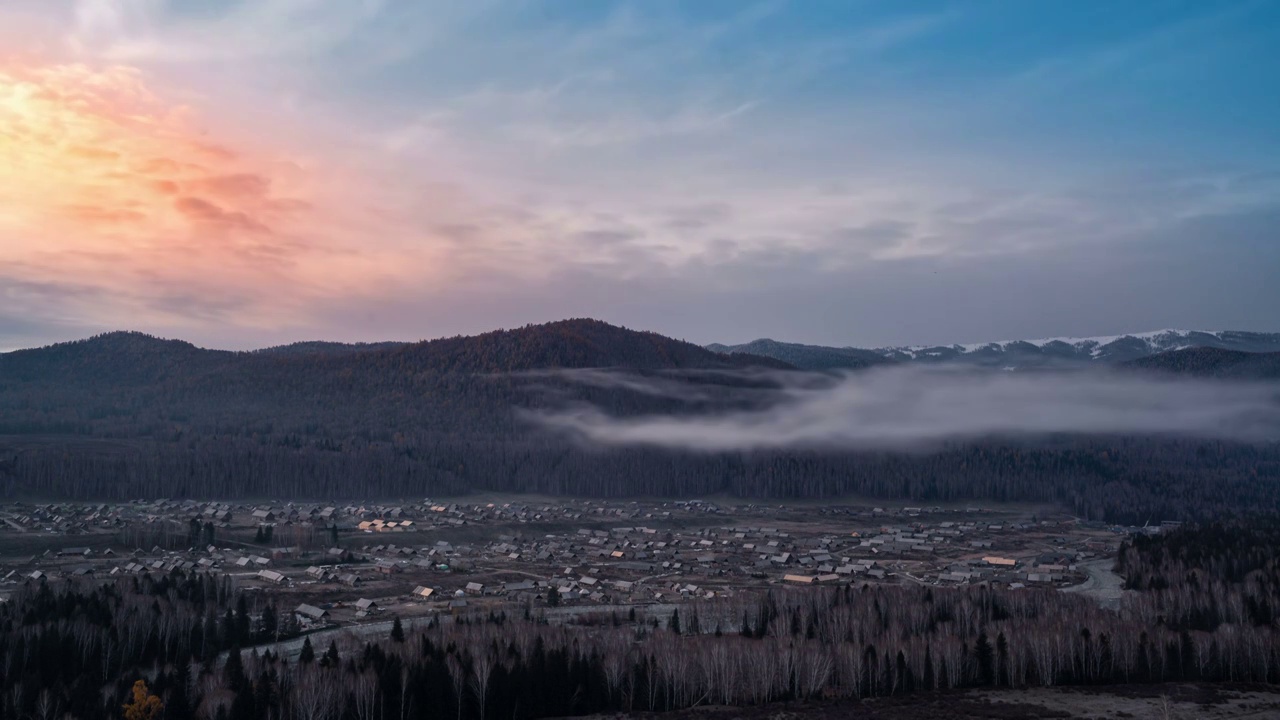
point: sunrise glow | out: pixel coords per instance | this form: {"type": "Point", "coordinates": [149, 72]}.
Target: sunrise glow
{"type": "Point", "coordinates": [249, 173]}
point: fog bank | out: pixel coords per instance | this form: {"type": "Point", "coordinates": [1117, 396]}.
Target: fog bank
{"type": "Point", "coordinates": [915, 407]}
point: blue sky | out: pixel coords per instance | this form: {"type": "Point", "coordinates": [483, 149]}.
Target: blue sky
{"type": "Point", "coordinates": [852, 172]}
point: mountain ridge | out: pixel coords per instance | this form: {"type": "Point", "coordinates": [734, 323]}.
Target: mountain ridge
{"type": "Point", "coordinates": [127, 416]}
{"type": "Point", "coordinates": [1110, 349]}
{"type": "Point", "coordinates": [131, 357]}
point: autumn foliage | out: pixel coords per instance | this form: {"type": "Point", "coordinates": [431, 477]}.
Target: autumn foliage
{"type": "Point", "coordinates": [144, 706]}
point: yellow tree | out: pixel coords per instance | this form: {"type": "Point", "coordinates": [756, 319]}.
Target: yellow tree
{"type": "Point", "coordinates": [145, 706]}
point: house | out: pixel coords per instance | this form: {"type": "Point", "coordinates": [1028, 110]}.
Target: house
{"type": "Point", "coordinates": [999, 561]}
{"type": "Point", "coordinates": [388, 568]}
{"type": "Point", "coordinates": [311, 612]}
{"type": "Point", "coordinates": [350, 579]}
{"type": "Point", "coordinates": [263, 515]}
{"type": "Point", "coordinates": [271, 576]}
{"type": "Point", "coordinates": [423, 592]}
{"type": "Point", "coordinates": [799, 579]}
{"type": "Point", "coordinates": [366, 605]}
{"type": "Point", "coordinates": [475, 588]}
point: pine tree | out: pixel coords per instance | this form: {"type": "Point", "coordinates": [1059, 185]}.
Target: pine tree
{"type": "Point", "coordinates": [331, 655]}
{"type": "Point", "coordinates": [233, 671]}
{"type": "Point", "coordinates": [269, 622]}
{"type": "Point", "coordinates": [397, 631]}
{"type": "Point", "coordinates": [985, 657]}
{"type": "Point", "coordinates": [308, 653]}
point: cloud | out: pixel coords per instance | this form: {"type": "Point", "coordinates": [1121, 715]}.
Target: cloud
{"type": "Point", "coordinates": [915, 407]}
{"type": "Point", "coordinates": [207, 214]}
{"type": "Point", "coordinates": [111, 186]}
{"type": "Point", "coordinates": [235, 185]}
{"type": "Point", "coordinates": [847, 176]}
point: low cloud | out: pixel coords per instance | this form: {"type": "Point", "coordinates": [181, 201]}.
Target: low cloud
{"type": "Point", "coordinates": [914, 407]}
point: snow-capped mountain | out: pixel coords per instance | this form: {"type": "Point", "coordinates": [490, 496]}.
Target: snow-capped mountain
{"type": "Point", "coordinates": [1015, 353]}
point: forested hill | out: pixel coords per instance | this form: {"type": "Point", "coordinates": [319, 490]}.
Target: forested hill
{"type": "Point", "coordinates": [320, 347]}
{"type": "Point", "coordinates": [1213, 362]}
{"type": "Point", "coordinates": [809, 357]}
{"type": "Point", "coordinates": [125, 415]}
{"type": "Point", "coordinates": [569, 344]}
{"type": "Point", "coordinates": [114, 358]}
{"type": "Point", "coordinates": [132, 357]}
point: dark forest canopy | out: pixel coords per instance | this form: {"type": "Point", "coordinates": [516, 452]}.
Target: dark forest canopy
{"type": "Point", "coordinates": [126, 415]}
{"type": "Point", "coordinates": [1213, 362]}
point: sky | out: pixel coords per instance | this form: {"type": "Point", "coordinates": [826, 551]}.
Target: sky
{"type": "Point", "coordinates": [249, 173]}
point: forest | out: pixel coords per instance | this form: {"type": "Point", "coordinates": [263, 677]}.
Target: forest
{"type": "Point", "coordinates": [192, 640]}
{"type": "Point", "coordinates": [125, 415]}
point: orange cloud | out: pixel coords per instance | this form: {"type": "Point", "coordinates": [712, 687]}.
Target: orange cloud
{"type": "Point", "coordinates": [77, 138]}
{"type": "Point", "coordinates": [102, 183]}
{"type": "Point", "coordinates": [201, 211]}
{"type": "Point", "coordinates": [149, 220]}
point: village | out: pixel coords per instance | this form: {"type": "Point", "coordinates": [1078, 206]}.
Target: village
{"type": "Point", "coordinates": [337, 565]}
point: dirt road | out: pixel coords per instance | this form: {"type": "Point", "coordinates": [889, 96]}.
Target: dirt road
{"type": "Point", "coordinates": [1103, 585]}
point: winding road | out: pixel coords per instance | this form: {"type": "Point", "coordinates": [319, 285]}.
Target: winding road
{"type": "Point", "coordinates": [1103, 585]}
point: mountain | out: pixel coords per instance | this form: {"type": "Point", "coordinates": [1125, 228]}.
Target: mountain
{"type": "Point", "coordinates": [1014, 353]}
{"type": "Point", "coordinates": [578, 343]}
{"type": "Point", "coordinates": [126, 415]}
{"type": "Point", "coordinates": [1213, 362]}
{"type": "Point", "coordinates": [808, 357]}
{"type": "Point", "coordinates": [116, 358]}
{"type": "Point", "coordinates": [320, 347]}
{"type": "Point", "coordinates": [133, 357]}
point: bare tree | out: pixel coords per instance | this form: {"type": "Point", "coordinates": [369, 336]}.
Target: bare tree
{"type": "Point", "coordinates": [481, 670]}
{"type": "Point", "coordinates": [315, 694]}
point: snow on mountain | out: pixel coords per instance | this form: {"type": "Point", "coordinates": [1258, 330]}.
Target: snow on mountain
{"type": "Point", "coordinates": [1107, 348]}
{"type": "Point", "coordinates": [1012, 354]}
{"type": "Point", "coordinates": [1115, 349]}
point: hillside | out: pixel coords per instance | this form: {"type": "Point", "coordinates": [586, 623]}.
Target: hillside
{"type": "Point", "coordinates": [579, 343]}
{"type": "Point", "coordinates": [1213, 362]}
{"type": "Point", "coordinates": [132, 357]}
{"type": "Point", "coordinates": [124, 415]}
{"type": "Point", "coordinates": [808, 357]}
{"type": "Point", "coordinates": [113, 358]}
{"type": "Point", "coordinates": [320, 347]}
